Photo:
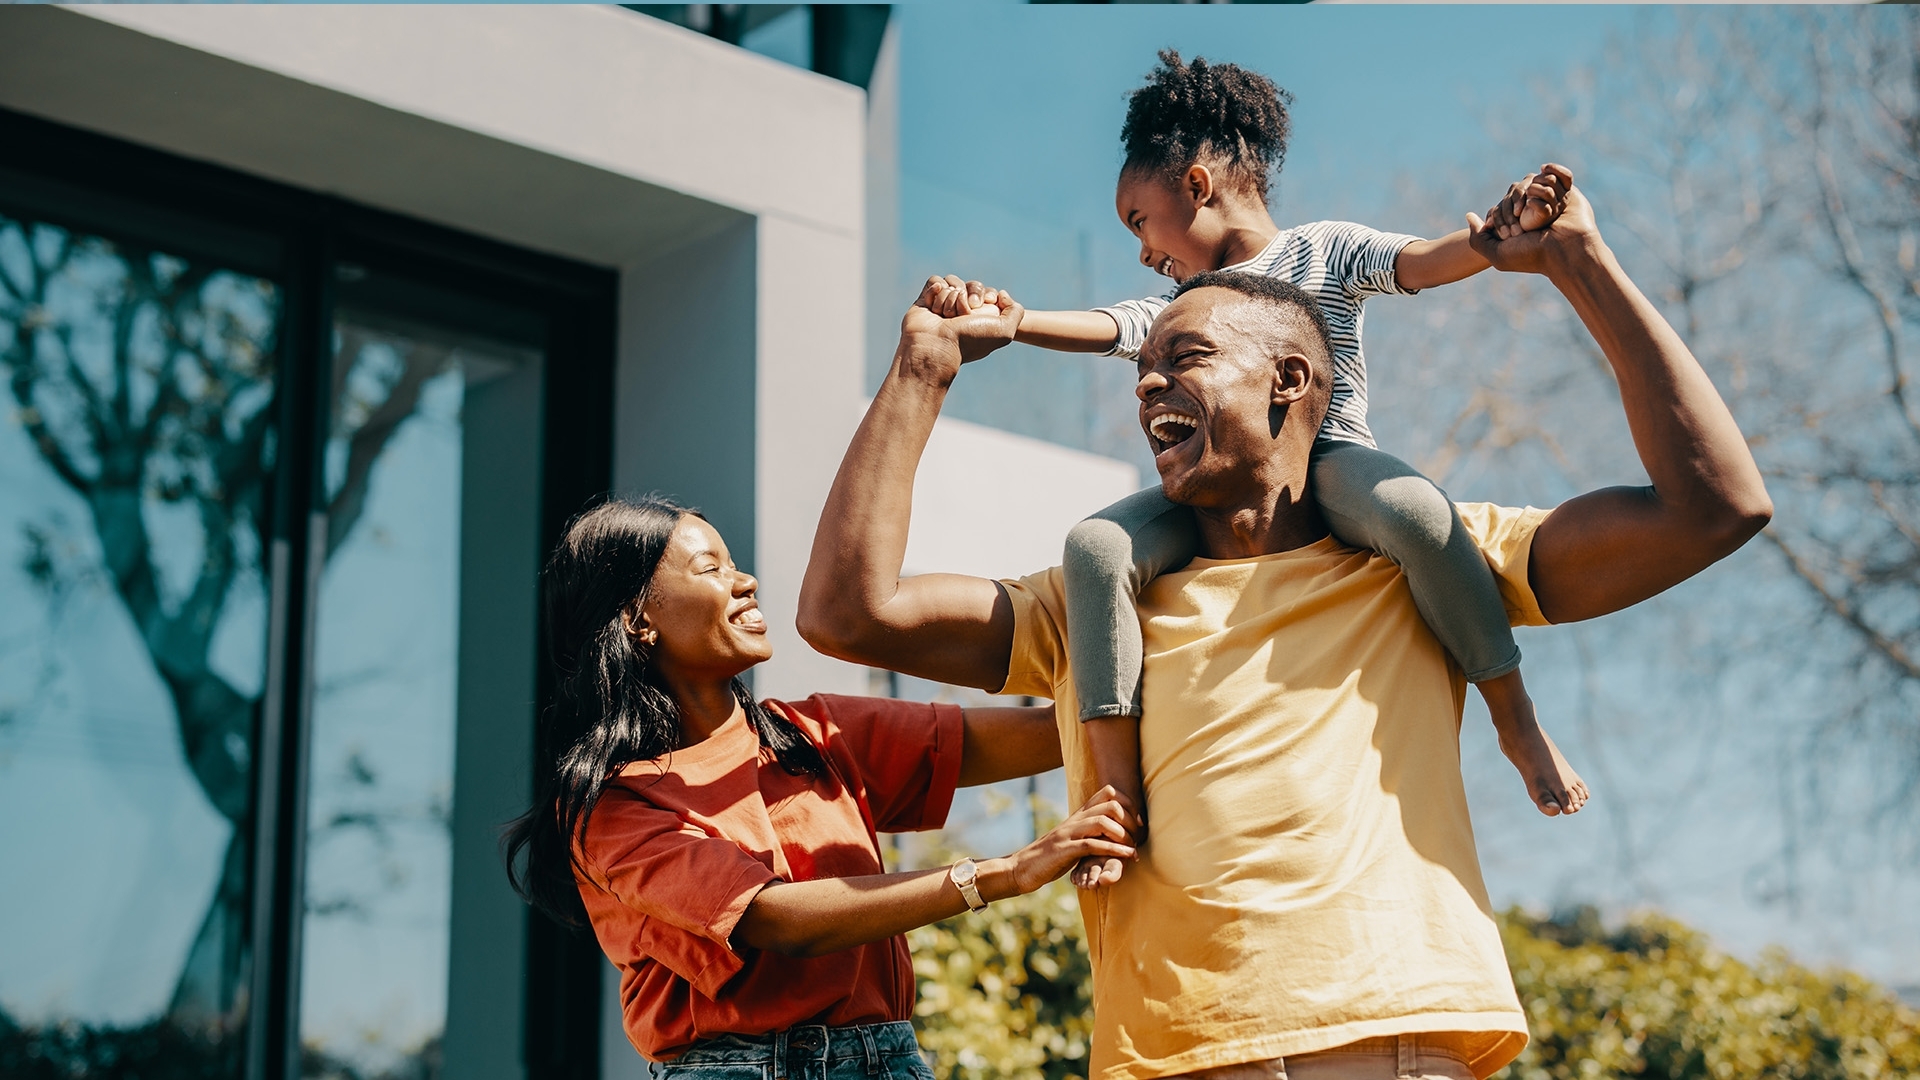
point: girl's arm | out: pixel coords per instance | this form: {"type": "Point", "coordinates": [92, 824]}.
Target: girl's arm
{"type": "Point", "coordinates": [1426, 263]}
{"type": "Point", "coordinates": [1531, 203]}
{"type": "Point", "coordinates": [813, 918]}
{"type": "Point", "coordinates": [1068, 331]}
{"type": "Point", "coordinates": [1061, 331]}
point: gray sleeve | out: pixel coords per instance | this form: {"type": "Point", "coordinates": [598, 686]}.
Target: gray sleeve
{"type": "Point", "coordinates": [1133, 317]}
{"type": "Point", "coordinates": [1360, 259]}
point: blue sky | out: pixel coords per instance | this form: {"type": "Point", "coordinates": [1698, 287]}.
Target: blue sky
{"type": "Point", "coordinates": [1009, 146]}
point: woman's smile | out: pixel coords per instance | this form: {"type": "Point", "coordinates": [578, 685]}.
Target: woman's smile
{"type": "Point", "coordinates": [747, 617]}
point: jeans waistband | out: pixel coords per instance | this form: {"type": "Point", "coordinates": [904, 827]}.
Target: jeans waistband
{"type": "Point", "coordinates": [788, 1050]}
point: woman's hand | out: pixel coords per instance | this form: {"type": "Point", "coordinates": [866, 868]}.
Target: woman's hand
{"type": "Point", "coordinates": [1104, 827]}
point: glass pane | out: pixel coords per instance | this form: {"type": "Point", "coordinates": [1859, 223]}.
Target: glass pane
{"type": "Point", "coordinates": [136, 446]}
{"type": "Point", "coordinates": [408, 405]}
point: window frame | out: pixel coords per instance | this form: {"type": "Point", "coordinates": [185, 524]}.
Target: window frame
{"type": "Point", "coordinates": [110, 187]}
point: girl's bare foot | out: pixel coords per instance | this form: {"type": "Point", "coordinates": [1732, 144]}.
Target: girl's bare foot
{"type": "Point", "coordinates": [1551, 783]}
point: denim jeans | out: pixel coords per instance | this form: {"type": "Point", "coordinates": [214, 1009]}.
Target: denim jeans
{"type": "Point", "coordinates": [807, 1052]}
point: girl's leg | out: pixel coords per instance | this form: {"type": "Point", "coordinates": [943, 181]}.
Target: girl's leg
{"type": "Point", "coordinates": [1373, 499]}
{"type": "Point", "coordinates": [1108, 558]}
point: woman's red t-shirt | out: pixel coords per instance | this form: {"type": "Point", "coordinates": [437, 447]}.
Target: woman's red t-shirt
{"type": "Point", "coordinates": [679, 846]}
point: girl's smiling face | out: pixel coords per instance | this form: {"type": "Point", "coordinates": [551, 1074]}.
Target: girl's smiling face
{"type": "Point", "coordinates": [1171, 220]}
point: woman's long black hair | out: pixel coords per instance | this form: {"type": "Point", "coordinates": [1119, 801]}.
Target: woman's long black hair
{"type": "Point", "coordinates": [1187, 111]}
{"type": "Point", "coordinates": [609, 708]}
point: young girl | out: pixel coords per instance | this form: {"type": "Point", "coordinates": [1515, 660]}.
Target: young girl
{"type": "Point", "coordinates": [1201, 141]}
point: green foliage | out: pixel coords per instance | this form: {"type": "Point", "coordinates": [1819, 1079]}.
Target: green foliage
{"type": "Point", "coordinates": [1654, 999]}
{"type": "Point", "coordinates": [1005, 994]}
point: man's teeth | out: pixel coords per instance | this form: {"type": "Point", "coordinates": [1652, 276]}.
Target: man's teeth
{"type": "Point", "coordinates": [1162, 426]}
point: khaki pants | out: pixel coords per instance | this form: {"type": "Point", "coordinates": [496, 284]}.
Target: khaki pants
{"type": "Point", "coordinates": [1392, 1057]}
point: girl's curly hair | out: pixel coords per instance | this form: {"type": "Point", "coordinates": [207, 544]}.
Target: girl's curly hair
{"type": "Point", "coordinates": [1190, 111]}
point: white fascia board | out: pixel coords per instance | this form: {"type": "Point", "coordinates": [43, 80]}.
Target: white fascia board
{"type": "Point", "coordinates": [993, 504]}
{"type": "Point", "coordinates": [598, 85]}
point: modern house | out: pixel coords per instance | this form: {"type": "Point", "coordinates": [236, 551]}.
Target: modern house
{"type": "Point", "coordinates": [316, 325]}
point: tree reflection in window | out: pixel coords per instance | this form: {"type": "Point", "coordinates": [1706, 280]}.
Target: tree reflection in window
{"type": "Point", "coordinates": [144, 382]}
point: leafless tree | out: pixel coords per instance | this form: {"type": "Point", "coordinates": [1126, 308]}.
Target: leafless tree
{"type": "Point", "coordinates": [1759, 175]}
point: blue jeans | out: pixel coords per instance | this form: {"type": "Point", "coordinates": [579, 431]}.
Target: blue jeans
{"type": "Point", "coordinates": [807, 1052]}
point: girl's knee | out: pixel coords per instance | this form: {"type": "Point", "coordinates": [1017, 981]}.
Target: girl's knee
{"type": "Point", "coordinates": [1415, 513]}
{"type": "Point", "coordinates": [1098, 548]}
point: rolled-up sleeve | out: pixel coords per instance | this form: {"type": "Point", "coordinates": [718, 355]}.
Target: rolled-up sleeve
{"type": "Point", "coordinates": [1039, 647]}
{"type": "Point", "coordinates": [908, 754]}
{"type": "Point", "coordinates": [691, 886]}
{"type": "Point", "coordinates": [1505, 536]}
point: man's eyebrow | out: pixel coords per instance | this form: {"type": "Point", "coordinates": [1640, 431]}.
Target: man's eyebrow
{"type": "Point", "coordinates": [1179, 339]}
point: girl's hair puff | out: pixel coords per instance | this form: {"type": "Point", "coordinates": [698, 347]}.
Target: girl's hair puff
{"type": "Point", "coordinates": [1192, 111]}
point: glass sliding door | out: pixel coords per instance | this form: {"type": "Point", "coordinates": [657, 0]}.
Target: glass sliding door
{"type": "Point", "coordinates": [137, 448]}
{"type": "Point", "coordinates": [276, 480]}
{"type": "Point", "coordinates": [430, 478]}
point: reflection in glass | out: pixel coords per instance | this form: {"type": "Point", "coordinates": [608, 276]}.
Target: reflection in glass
{"type": "Point", "coordinates": [374, 978]}
{"type": "Point", "coordinates": [136, 446]}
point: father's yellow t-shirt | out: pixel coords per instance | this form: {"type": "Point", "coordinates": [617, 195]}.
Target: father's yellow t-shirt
{"type": "Point", "coordinates": [1310, 879]}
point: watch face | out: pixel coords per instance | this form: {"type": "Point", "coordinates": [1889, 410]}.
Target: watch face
{"type": "Point", "coordinates": [964, 871]}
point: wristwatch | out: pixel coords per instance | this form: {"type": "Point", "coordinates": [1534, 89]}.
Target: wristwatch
{"type": "Point", "coordinates": [965, 877]}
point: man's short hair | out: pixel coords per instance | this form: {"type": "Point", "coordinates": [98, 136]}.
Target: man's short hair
{"type": "Point", "coordinates": [1299, 305]}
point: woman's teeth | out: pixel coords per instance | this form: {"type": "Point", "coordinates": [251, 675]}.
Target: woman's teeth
{"type": "Point", "coordinates": [1170, 428]}
{"type": "Point", "coordinates": [750, 619]}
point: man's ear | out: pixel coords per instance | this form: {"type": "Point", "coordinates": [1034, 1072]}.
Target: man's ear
{"type": "Point", "coordinates": [1197, 185]}
{"type": "Point", "coordinates": [1292, 379]}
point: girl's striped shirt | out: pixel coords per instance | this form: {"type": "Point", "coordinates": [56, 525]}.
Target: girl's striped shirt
{"type": "Point", "coordinates": [1339, 264]}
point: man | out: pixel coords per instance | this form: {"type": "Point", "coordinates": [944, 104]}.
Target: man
{"type": "Point", "coordinates": [1310, 904]}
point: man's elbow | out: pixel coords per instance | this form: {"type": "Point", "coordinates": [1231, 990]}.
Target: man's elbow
{"type": "Point", "coordinates": [833, 630]}
{"type": "Point", "coordinates": [1740, 518]}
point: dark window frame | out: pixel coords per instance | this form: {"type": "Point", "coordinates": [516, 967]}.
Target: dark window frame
{"type": "Point", "coordinates": [110, 187]}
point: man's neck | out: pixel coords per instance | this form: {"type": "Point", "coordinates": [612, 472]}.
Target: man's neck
{"type": "Point", "coordinates": [1280, 520]}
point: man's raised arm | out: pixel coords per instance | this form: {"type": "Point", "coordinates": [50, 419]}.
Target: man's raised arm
{"type": "Point", "coordinates": [853, 604]}
{"type": "Point", "coordinates": [1615, 547]}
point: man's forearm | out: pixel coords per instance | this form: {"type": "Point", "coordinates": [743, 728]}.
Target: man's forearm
{"type": "Point", "coordinates": [1424, 264]}
{"type": "Point", "coordinates": [1069, 331]}
{"type": "Point", "coordinates": [853, 603]}
{"type": "Point", "coordinates": [861, 543]}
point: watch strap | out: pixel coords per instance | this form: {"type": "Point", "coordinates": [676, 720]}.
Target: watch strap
{"type": "Point", "coordinates": [969, 887]}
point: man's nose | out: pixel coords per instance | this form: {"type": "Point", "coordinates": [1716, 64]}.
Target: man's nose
{"type": "Point", "coordinates": [1150, 383]}
{"type": "Point", "coordinates": [1146, 257]}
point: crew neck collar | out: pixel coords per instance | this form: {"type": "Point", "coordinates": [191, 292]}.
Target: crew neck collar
{"type": "Point", "coordinates": [1326, 545]}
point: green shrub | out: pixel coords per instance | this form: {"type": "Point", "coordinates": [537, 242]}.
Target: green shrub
{"type": "Point", "coordinates": [1004, 994]}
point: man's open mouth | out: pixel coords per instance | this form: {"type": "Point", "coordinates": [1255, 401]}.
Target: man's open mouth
{"type": "Point", "coordinates": [1165, 269]}
{"type": "Point", "coordinates": [1171, 429]}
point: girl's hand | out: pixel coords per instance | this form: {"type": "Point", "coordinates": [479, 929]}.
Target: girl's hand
{"type": "Point", "coordinates": [950, 298]}
{"type": "Point", "coordinates": [1532, 203]}
{"type": "Point", "coordinates": [1094, 871]}
{"type": "Point", "coordinates": [1103, 828]}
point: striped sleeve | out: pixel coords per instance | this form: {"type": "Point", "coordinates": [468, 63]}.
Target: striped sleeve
{"type": "Point", "coordinates": [1134, 318]}
{"type": "Point", "coordinates": [1360, 260]}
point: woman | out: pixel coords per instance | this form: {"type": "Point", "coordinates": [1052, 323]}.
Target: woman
{"type": "Point", "coordinates": [724, 849]}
